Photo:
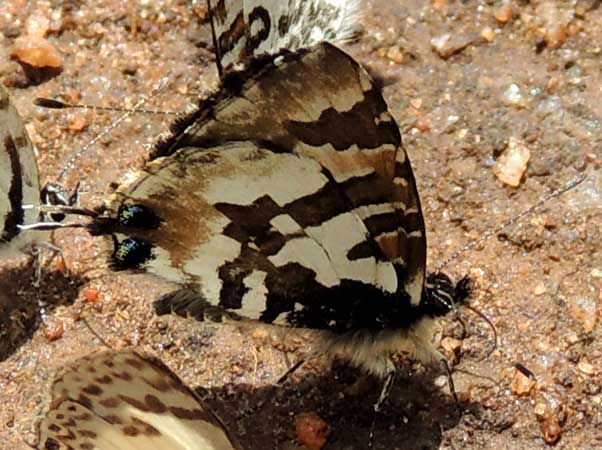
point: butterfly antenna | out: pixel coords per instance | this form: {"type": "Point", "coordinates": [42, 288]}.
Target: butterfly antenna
{"type": "Point", "coordinates": [477, 375]}
{"type": "Point", "coordinates": [491, 325]}
{"type": "Point", "coordinates": [57, 104]}
{"type": "Point", "coordinates": [96, 334]}
{"type": "Point", "coordinates": [70, 164]}
{"type": "Point", "coordinates": [216, 47]}
{"type": "Point", "coordinates": [488, 234]}
{"type": "Point", "coordinates": [64, 209]}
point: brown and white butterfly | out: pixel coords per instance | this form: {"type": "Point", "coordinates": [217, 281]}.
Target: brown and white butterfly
{"type": "Point", "coordinates": [19, 183]}
{"type": "Point", "coordinates": [287, 197]}
{"type": "Point", "coordinates": [125, 400]}
{"type": "Point", "coordinates": [20, 192]}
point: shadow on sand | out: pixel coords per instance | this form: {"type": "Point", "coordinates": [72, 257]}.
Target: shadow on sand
{"type": "Point", "coordinates": [414, 417]}
{"type": "Point", "coordinates": [20, 302]}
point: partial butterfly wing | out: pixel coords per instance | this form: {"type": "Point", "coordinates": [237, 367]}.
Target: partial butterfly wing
{"type": "Point", "coordinates": [287, 197]}
{"type": "Point", "coordinates": [127, 401]}
{"type": "Point", "coordinates": [19, 182]}
{"type": "Point", "coordinates": [248, 28]}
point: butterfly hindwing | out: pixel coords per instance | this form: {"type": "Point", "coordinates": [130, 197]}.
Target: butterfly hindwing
{"type": "Point", "coordinates": [127, 401]}
{"type": "Point", "coordinates": [286, 195]}
{"type": "Point", "coordinates": [19, 182]}
{"type": "Point", "coordinates": [247, 28]}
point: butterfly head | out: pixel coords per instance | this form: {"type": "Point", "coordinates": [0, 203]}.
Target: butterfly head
{"type": "Point", "coordinates": [54, 194]}
{"type": "Point", "coordinates": [441, 294]}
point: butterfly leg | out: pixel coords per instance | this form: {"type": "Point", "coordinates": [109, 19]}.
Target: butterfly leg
{"type": "Point", "coordinates": [450, 380]}
{"type": "Point", "coordinates": [313, 355]}
{"type": "Point", "coordinates": [384, 394]}
{"type": "Point", "coordinates": [37, 269]}
{"type": "Point", "coordinates": [387, 384]}
{"type": "Point", "coordinates": [56, 251]}
{"type": "Point", "coordinates": [290, 371]}
{"type": "Point", "coordinates": [430, 356]}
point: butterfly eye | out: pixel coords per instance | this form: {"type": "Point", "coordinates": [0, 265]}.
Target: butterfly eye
{"type": "Point", "coordinates": [131, 253]}
{"type": "Point", "coordinates": [138, 216]}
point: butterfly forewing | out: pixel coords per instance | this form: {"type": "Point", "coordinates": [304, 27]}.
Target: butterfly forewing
{"type": "Point", "coordinates": [127, 401]}
{"type": "Point", "coordinates": [19, 183]}
{"type": "Point", "coordinates": [248, 28]}
{"type": "Point", "coordinates": [312, 199]}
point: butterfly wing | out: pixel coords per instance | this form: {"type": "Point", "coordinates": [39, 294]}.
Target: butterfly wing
{"type": "Point", "coordinates": [247, 28]}
{"type": "Point", "coordinates": [289, 192]}
{"type": "Point", "coordinates": [127, 401]}
{"type": "Point", "coordinates": [19, 182]}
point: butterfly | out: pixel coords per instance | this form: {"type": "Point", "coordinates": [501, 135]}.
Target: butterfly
{"type": "Point", "coordinates": [20, 185]}
{"type": "Point", "coordinates": [286, 197]}
{"type": "Point", "coordinates": [125, 400]}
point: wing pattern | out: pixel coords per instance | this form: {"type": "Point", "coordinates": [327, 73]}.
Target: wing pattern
{"type": "Point", "coordinates": [245, 29]}
{"type": "Point", "coordinates": [287, 197]}
{"type": "Point", "coordinates": [19, 183]}
{"type": "Point", "coordinates": [127, 401]}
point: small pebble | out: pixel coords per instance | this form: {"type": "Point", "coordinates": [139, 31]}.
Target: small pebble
{"type": "Point", "coordinates": [91, 295]}
{"type": "Point", "coordinates": [395, 54]}
{"type": "Point", "coordinates": [540, 289]}
{"type": "Point", "coordinates": [446, 45]}
{"type": "Point", "coordinates": [586, 368]}
{"type": "Point", "coordinates": [512, 163]}
{"type": "Point", "coordinates": [54, 330]}
{"type": "Point", "coordinates": [36, 51]}
{"type": "Point", "coordinates": [514, 97]}
{"type": "Point", "coordinates": [553, 85]}
{"type": "Point", "coordinates": [553, 22]}
{"type": "Point", "coordinates": [546, 411]}
{"type": "Point", "coordinates": [488, 34]}
{"type": "Point", "coordinates": [312, 431]}
{"type": "Point", "coordinates": [504, 13]}
{"type": "Point", "coordinates": [521, 385]}
{"type": "Point", "coordinates": [77, 123]}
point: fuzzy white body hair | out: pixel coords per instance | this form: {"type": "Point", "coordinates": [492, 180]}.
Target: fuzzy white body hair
{"type": "Point", "coordinates": [372, 350]}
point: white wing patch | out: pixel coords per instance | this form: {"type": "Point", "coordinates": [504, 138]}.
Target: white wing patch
{"type": "Point", "coordinates": [207, 260]}
{"type": "Point", "coordinates": [254, 301]}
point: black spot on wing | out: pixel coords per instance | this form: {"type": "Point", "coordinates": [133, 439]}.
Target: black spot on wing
{"type": "Point", "coordinates": [283, 25]}
{"type": "Point", "coordinates": [259, 24]}
{"type": "Point", "coordinates": [16, 215]}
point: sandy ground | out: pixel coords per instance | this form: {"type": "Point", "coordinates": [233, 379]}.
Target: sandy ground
{"type": "Point", "coordinates": [538, 281]}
